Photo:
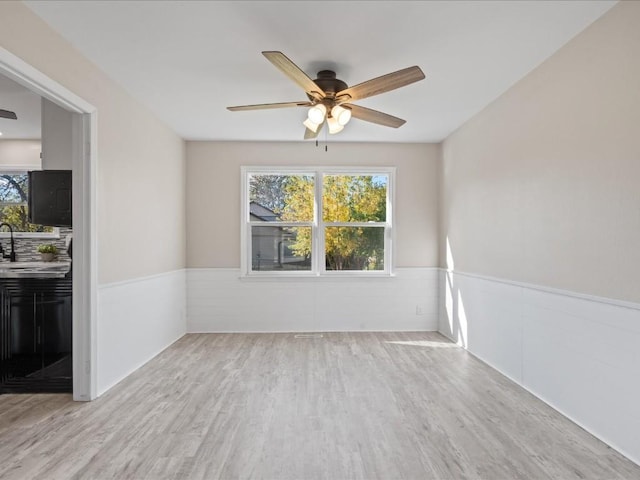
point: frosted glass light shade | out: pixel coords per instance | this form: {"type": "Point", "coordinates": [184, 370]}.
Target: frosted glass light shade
{"type": "Point", "coordinates": [334, 126]}
{"type": "Point", "coordinates": [316, 113]}
{"type": "Point", "coordinates": [311, 125]}
{"type": "Point", "coordinates": [341, 114]}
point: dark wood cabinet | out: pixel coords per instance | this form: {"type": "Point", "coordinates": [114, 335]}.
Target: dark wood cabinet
{"type": "Point", "coordinates": [36, 339]}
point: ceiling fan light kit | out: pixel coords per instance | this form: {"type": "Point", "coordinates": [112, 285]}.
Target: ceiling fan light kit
{"type": "Point", "coordinates": [317, 113]}
{"type": "Point", "coordinates": [311, 125]}
{"type": "Point", "coordinates": [341, 114]}
{"type": "Point", "coordinates": [329, 96]}
{"type": "Point", "coordinates": [334, 126]}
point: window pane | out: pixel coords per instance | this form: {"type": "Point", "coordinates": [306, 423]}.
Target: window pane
{"type": "Point", "coordinates": [354, 248]}
{"type": "Point", "coordinates": [13, 203]}
{"type": "Point", "coordinates": [284, 198]}
{"type": "Point", "coordinates": [280, 248]}
{"type": "Point", "coordinates": [14, 188]}
{"type": "Point", "coordinates": [354, 198]}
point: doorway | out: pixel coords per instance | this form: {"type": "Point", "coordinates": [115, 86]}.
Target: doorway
{"type": "Point", "coordinates": [84, 168]}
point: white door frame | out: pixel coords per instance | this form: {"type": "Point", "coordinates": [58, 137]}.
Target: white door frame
{"type": "Point", "coordinates": [85, 271]}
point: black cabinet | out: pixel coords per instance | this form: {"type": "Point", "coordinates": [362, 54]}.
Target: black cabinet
{"type": "Point", "coordinates": [50, 197]}
{"type": "Point", "coordinates": [35, 347]}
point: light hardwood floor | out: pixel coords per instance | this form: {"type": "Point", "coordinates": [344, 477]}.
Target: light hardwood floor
{"type": "Point", "coordinates": [272, 406]}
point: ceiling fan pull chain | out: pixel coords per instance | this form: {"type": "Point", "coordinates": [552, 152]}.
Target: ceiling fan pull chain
{"type": "Point", "coordinates": [326, 141]}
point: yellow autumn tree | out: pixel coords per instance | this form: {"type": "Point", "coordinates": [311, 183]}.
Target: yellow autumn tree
{"type": "Point", "coordinates": [298, 207]}
{"type": "Point", "coordinates": [345, 199]}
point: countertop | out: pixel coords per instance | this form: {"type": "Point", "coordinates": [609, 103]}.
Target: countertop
{"type": "Point", "coordinates": [34, 269]}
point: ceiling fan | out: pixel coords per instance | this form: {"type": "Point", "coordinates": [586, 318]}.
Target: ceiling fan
{"type": "Point", "coordinates": [8, 114]}
{"type": "Point", "coordinates": [330, 97]}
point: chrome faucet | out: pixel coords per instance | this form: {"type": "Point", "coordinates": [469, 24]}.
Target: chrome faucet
{"type": "Point", "coordinates": [12, 255]}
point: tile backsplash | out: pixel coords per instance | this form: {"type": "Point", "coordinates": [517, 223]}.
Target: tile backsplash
{"type": "Point", "coordinates": [26, 248]}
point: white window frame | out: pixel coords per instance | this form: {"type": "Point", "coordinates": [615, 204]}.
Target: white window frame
{"type": "Point", "coordinates": [318, 225]}
{"type": "Point", "coordinates": [4, 232]}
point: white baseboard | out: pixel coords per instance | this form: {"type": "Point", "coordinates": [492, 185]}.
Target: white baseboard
{"type": "Point", "coordinates": [137, 319]}
{"type": "Point", "coordinates": [219, 301]}
{"type": "Point", "coordinates": [580, 354]}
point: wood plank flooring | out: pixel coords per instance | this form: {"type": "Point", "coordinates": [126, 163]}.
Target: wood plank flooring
{"type": "Point", "coordinates": [272, 406]}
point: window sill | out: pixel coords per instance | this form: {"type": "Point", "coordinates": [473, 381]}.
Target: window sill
{"type": "Point", "coordinates": [284, 277]}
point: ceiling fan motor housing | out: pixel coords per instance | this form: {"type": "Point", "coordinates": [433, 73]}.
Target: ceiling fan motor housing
{"type": "Point", "coordinates": [331, 85]}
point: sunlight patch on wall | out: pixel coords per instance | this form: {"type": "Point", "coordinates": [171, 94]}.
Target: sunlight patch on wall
{"type": "Point", "coordinates": [450, 264]}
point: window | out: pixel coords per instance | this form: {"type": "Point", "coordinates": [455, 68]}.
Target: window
{"type": "Point", "coordinates": [316, 221]}
{"type": "Point", "coordinates": [14, 191]}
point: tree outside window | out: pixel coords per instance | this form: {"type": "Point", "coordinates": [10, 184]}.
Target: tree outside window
{"type": "Point", "coordinates": [14, 192]}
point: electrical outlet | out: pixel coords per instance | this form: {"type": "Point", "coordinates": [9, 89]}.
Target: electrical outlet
{"type": "Point", "coordinates": [419, 309]}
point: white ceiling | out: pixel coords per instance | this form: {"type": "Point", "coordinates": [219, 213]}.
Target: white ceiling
{"type": "Point", "coordinates": [25, 104]}
{"type": "Point", "coordinates": [187, 61]}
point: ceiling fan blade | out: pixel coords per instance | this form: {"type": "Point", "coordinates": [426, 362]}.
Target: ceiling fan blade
{"type": "Point", "coordinates": [8, 114]}
{"type": "Point", "coordinates": [309, 134]}
{"type": "Point", "coordinates": [382, 84]}
{"type": "Point", "coordinates": [291, 70]}
{"type": "Point", "coordinates": [374, 116]}
{"type": "Point", "coordinates": [265, 106]}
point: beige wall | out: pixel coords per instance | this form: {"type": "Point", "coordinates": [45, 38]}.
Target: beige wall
{"type": "Point", "coordinates": [56, 136]}
{"type": "Point", "coordinates": [213, 198]}
{"type": "Point", "coordinates": [543, 186]}
{"type": "Point", "coordinates": [20, 153]}
{"type": "Point", "coordinates": [141, 163]}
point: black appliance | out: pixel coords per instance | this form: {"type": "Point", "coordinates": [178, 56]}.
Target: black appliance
{"type": "Point", "coordinates": [50, 197]}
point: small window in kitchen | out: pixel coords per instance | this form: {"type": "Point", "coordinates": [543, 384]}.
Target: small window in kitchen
{"type": "Point", "coordinates": [14, 192]}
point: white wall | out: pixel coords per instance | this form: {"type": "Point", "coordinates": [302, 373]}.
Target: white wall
{"type": "Point", "coordinates": [138, 319]}
{"type": "Point", "coordinates": [540, 227]}
{"type": "Point", "coordinates": [20, 154]}
{"type": "Point", "coordinates": [57, 137]}
{"type": "Point", "coordinates": [578, 353]}
{"type": "Point", "coordinates": [220, 301]}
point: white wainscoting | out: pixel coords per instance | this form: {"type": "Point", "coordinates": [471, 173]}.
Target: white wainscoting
{"type": "Point", "coordinates": [578, 353]}
{"type": "Point", "coordinates": [218, 300]}
{"type": "Point", "coordinates": [137, 319]}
